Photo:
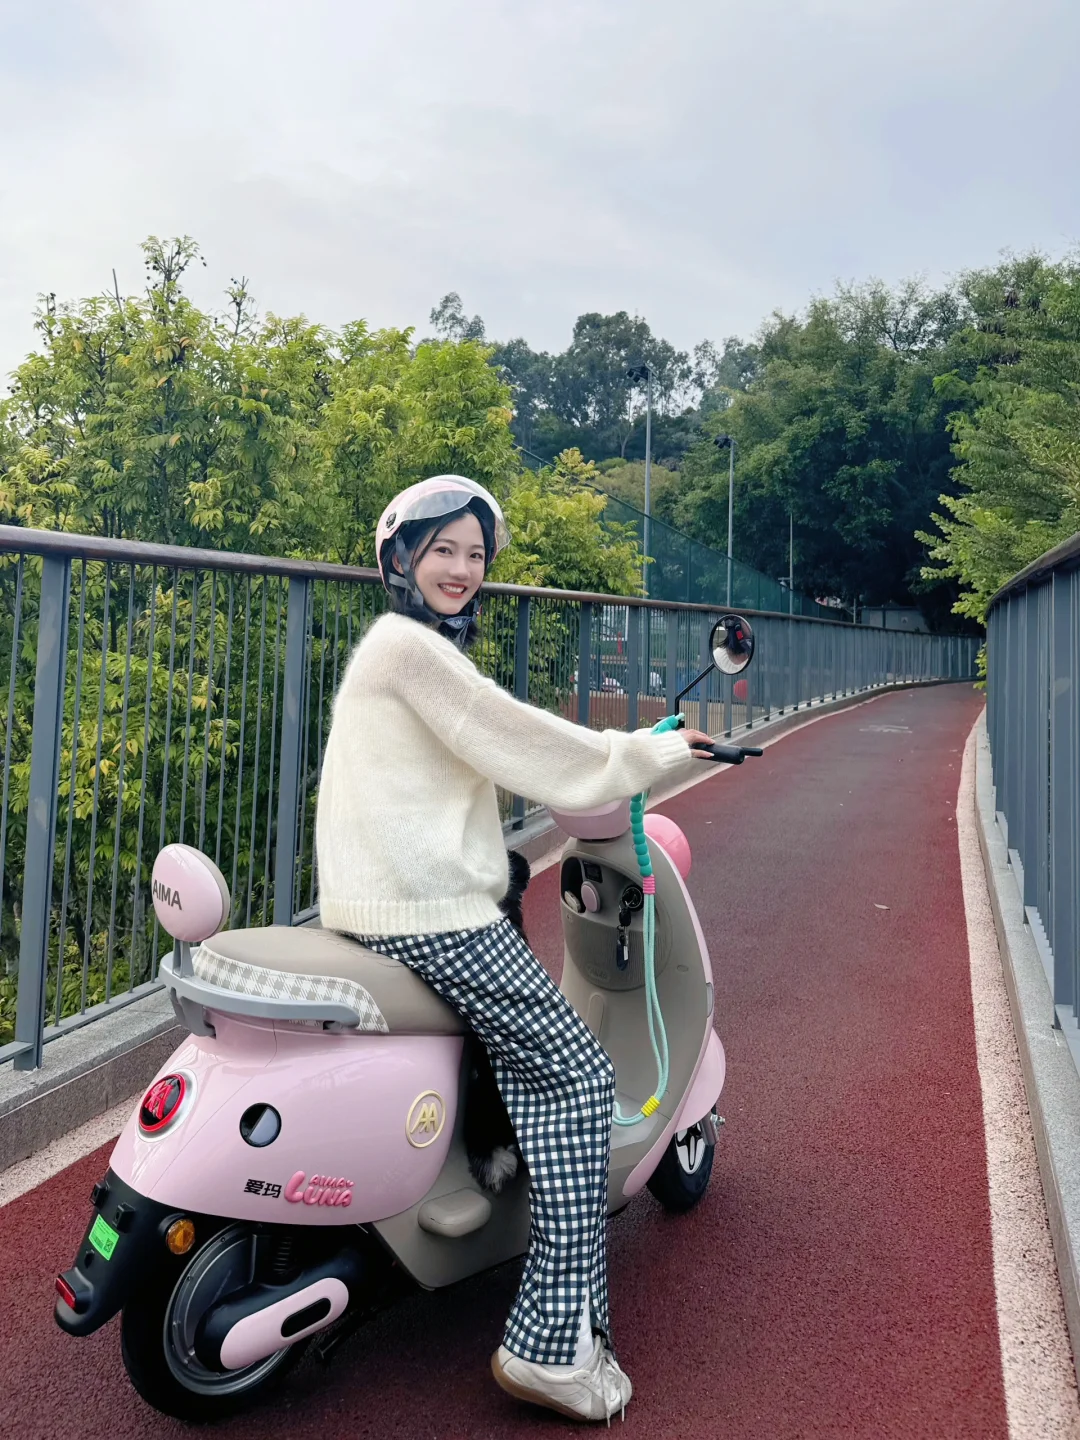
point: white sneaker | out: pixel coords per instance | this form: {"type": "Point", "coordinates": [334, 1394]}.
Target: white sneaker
{"type": "Point", "coordinates": [596, 1391]}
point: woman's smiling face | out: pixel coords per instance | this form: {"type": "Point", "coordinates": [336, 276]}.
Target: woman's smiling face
{"type": "Point", "coordinates": [451, 570]}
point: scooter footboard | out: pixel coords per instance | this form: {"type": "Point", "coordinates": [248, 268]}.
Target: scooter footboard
{"type": "Point", "coordinates": [272, 1123]}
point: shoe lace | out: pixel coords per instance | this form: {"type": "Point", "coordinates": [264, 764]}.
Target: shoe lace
{"type": "Point", "coordinates": [609, 1376]}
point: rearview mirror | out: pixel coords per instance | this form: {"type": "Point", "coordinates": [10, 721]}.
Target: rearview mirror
{"type": "Point", "coordinates": [732, 644]}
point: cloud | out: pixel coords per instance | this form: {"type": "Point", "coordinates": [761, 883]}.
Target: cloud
{"type": "Point", "coordinates": [701, 163]}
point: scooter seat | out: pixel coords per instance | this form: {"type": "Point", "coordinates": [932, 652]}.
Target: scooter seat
{"type": "Point", "coordinates": [309, 963]}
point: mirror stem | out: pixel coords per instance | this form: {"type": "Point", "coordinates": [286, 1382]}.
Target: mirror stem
{"type": "Point", "coordinates": [707, 671]}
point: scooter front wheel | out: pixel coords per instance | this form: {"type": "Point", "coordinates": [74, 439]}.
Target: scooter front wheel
{"type": "Point", "coordinates": [682, 1177]}
{"type": "Point", "coordinates": [158, 1331]}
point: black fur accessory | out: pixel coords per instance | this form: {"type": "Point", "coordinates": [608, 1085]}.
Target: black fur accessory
{"type": "Point", "coordinates": [490, 1141]}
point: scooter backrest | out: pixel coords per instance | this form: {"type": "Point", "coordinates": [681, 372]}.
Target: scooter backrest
{"type": "Point", "coordinates": [191, 898]}
{"type": "Point", "coordinates": [605, 822]}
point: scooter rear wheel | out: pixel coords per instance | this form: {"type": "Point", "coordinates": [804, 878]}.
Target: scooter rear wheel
{"type": "Point", "coordinates": [682, 1177]}
{"type": "Point", "coordinates": [155, 1332]}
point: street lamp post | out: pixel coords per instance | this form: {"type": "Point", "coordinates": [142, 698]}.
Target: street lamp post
{"type": "Point", "coordinates": [720, 442]}
{"type": "Point", "coordinates": [636, 374]}
{"type": "Point", "coordinates": [791, 563]}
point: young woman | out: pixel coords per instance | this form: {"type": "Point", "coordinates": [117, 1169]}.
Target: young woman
{"type": "Point", "coordinates": [412, 861]}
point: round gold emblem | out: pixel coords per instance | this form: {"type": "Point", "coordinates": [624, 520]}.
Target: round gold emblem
{"type": "Point", "coordinates": [427, 1116]}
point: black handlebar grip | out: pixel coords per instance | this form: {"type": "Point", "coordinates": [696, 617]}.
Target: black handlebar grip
{"type": "Point", "coordinates": [728, 754]}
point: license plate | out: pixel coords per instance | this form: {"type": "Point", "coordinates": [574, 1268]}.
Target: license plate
{"type": "Point", "coordinates": [103, 1238]}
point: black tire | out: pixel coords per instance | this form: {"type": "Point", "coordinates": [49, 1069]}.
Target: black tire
{"type": "Point", "coordinates": [143, 1349]}
{"type": "Point", "coordinates": [682, 1177]}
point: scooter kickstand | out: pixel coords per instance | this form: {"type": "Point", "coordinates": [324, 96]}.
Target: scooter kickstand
{"type": "Point", "coordinates": [710, 1127]}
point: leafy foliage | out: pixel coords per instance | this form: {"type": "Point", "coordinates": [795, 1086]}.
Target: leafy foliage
{"type": "Point", "coordinates": [583, 397]}
{"type": "Point", "coordinates": [849, 421]}
{"type": "Point", "coordinates": [1016, 429]}
{"type": "Point", "coordinates": [843, 429]}
{"type": "Point", "coordinates": [553, 513]}
{"type": "Point", "coordinates": [148, 419]}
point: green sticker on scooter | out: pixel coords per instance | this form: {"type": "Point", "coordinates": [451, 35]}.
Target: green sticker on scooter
{"type": "Point", "coordinates": [103, 1238]}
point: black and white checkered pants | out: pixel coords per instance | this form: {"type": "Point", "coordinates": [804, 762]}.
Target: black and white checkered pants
{"type": "Point", "coordinates": [559, 1088]}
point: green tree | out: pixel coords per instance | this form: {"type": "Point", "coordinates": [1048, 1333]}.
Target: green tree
{"type": "Point", "coordinates": [843, 429]}
{"type": "Point", "coordinates": [150, 420]}
{"type": "Point", "coordinates": [625, 480]}
{"type": "Point", "coordinates": [583, 399]}
{"type": "Point", "coordinates": [529, 375]}
{"type": "Point", "coordinates": [451, 322]}
{"type": "Point", "coordinates": [398, 414]}
{"type": "Point", "coordinates": [1016, 429]}
{"type": "Point", "coordinates": [590, 387]}
{"type": "Point", "coordinates": [556, 515]}
{"type": "Point", "coordinates": [147, 419]}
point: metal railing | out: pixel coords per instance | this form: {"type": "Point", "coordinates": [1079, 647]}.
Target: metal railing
{"type": "Point", "coordinates": [1033, 720]}
{"type": "Point", "coordinates": [159, 694]}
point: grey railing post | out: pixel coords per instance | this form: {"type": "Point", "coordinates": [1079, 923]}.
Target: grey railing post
{"type": "Point", "coordinates": [521, 685]}
{"type": "Point", "coordinates": [633, 664]}
{"type": "Point", "coordinates": [41, 813]}
{"type": "Point", "coordinates": [671, 657]}
{"type": "Point", "coordinates": [795, 661]}
{"type": "Point", "coordinates": [703, 689]}
{"type": "Point", "coordinates": [292, 702]}
{"type": "Point", "coordinates": [1063, 922]}
{"type": "Point", "coordinates": [584, 665]}
{"type": "Point", "coordinates": [1033, 727]}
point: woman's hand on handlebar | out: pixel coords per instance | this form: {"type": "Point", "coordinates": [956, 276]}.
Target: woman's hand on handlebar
{"type": "Point", "coordinates": [695, 739]}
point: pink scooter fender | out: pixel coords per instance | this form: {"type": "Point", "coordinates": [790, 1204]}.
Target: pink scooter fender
{"type": "Point", "coordinates": [700, 1099]}
{"type": "Point", "coordinates": [365, 1124]}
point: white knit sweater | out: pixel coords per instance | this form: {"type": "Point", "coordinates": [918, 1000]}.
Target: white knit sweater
{"type": "Point", "coordinates": [408, 838]}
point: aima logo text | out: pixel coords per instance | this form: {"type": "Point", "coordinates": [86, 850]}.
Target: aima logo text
{"type": "Point", "coordinates": [167, 896]}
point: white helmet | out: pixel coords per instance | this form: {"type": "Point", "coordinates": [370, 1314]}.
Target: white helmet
{"type": "Point", "coordinates": [440, 498]}
{"type": "Point", "coordinates": [431, 505]}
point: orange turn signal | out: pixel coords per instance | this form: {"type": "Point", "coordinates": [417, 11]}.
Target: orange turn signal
{"type": "Point", "coordinates": [180, 1236]}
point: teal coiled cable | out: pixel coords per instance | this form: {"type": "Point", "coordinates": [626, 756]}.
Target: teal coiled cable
{"type": "Point", "coordinates": [657, 1030]}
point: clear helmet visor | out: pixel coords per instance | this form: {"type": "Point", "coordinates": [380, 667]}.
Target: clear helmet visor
{"type": "Point", "coordinates": [437, 499]}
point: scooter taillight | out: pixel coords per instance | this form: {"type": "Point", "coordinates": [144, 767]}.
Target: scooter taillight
{"type": "Point", "coordinates": [66, 1293]}
{"type": "Point", "coordinates": [163, 1102]}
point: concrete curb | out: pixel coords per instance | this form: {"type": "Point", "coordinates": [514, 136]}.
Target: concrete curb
{"type": "Point", "coordinates": [1050, 1075]}
{"type": "Point", "coordinates": [111, 1059]}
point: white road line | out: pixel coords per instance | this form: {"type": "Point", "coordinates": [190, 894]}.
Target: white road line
{"type": "Point", "coordinates": [1036, 1359]}
{"type": "Point", "coordinates": [17, 1179]}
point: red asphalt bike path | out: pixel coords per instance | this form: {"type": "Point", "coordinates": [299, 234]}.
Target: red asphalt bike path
{"type": "Point", "coordinates": [837, 1278]}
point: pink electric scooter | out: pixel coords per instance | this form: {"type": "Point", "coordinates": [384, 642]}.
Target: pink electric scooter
{"type": "Point", "coordinates": [301, 1155]}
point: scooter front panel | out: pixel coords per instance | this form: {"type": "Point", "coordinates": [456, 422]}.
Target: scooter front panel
{"type": "Point", "coordinates": [603, 978]}
{"type": "Point", "coordinates": [365, 1125]}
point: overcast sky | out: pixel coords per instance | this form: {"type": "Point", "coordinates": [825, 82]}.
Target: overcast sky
{"type": "Point", "coordinates": [701, 162]}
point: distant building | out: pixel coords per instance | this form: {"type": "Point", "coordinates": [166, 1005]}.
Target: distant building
{"type": "Point", "coordinates": [894, 617]}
